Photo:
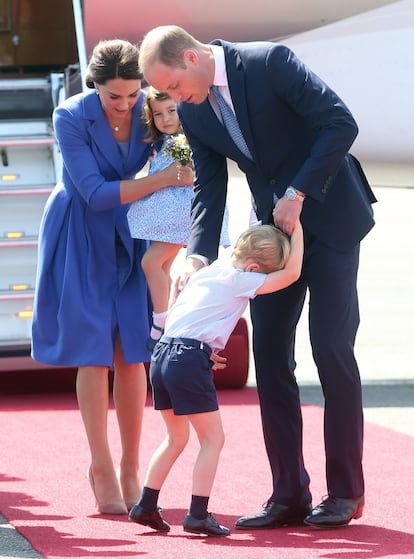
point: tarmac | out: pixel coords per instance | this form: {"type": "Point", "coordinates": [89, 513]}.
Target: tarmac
{"type": "Point", "coordinates": [385, 341]}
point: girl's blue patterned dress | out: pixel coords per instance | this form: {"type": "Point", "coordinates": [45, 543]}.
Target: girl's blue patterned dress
{"type": "Point", "coordinates": [164, 215]}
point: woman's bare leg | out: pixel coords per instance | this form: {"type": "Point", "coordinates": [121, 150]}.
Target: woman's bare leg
{"type": "Point", "coordinates": [130, 393]}
{"type": "Point", "coordinates": [92, 393]}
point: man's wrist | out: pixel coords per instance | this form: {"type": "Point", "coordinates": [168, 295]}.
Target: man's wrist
{"type": "Point", "coordinates": [292, 193]}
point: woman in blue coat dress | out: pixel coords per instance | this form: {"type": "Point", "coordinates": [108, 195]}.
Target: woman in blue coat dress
{"type": "Point", "coordinates": [91, 302]}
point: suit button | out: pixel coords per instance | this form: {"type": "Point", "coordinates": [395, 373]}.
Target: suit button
{"type": "Point", "coordinates": [272, 181]}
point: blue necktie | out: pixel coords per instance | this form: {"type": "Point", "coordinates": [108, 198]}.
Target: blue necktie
{"type": "Point", "coordinates": [230, 122]}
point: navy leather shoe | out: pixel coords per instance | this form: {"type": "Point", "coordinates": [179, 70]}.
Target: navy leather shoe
{"type": "Point", "coordinates": [152, 519]}
{"type": "Point", "coordinates": [334, 512]}
{"type": "Point", "coordinates": [275, 515]}
{"type": "Point", "coordinates": [208, 526]}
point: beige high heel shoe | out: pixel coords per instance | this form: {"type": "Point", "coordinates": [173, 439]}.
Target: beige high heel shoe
{"type": "Point", "coordinates": [130, 494]}
{"type": "Point", "coordinates": [114, 507]}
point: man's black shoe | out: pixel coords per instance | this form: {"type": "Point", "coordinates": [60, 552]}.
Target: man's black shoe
{"type": "Point", "coordinates": [208, 526]}
{"type": "Point", "coordinates": [334, 512]}
{"type": "Point", "coordinates": [275, 515]}
{"type": "Point", "coordinates": [152, 519]}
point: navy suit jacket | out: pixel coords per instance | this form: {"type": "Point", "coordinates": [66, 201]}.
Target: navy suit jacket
{"type": "Point", "coordinates": [298, 132]}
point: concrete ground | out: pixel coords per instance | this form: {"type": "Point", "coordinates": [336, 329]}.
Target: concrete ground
{"type": "Point", "coordinates": [385, 342]}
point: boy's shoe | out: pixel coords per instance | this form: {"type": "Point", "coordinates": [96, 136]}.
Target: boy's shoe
{"type": "Point", "coordinates": [152, 519]}
{"type": "Point", "coordinates": [208, 526]}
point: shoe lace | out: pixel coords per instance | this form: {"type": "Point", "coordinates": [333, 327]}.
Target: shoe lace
{"type": "Point", "coordinates": [328, 498]}
{"type": "Point", "coordinates": [212, 519]}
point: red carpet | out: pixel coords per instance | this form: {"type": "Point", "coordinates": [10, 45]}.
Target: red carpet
{"type": "Point", "coordinates": [45, 495]}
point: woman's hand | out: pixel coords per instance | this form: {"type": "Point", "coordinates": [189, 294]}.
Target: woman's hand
{"type": "Point", "coordinates": [179, 175]}
{"type": "Point", "coordinates": [173, 175]}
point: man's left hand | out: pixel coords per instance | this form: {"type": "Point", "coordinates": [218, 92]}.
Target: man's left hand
{"type": "Point", "coordinates": [286, 214]}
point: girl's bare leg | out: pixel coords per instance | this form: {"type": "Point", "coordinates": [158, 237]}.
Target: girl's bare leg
{"type": "Point", "coordinates": [156, 263]}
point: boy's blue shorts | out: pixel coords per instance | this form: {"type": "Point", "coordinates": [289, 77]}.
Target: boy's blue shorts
{"type": "Point", "coordinates": [181, 376]}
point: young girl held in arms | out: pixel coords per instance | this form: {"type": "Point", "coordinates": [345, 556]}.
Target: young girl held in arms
{"type": "Point", "coordinates": [164, 217]}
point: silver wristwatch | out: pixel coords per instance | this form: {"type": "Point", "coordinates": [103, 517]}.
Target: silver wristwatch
{"type": "Point", "coordinates": [292, 194]}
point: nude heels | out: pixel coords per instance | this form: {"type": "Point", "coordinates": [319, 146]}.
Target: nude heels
{"type": "Point", "coordinates": [130, 492]}
{"type": "Point", "coordinates": [112, 507]}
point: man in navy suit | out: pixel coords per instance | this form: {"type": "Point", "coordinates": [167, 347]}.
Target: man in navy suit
{"type": "Point", "coordinates": [298, 133]}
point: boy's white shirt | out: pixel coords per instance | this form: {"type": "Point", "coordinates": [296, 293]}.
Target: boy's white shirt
{"type": "Point", "coordinates": [212, 302]}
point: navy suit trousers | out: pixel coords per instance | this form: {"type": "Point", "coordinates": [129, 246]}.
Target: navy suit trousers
{"type": "Point", "coordinates": [331, 277]}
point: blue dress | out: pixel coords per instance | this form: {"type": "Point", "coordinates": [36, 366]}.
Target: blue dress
{"type": "Point", "coordinates": [90, 285]}
{"type": "Point", "coordinates": [165, 215]}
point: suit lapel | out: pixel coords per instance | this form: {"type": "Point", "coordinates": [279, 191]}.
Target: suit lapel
{"type": "Point", "coordinates": [203, 122]}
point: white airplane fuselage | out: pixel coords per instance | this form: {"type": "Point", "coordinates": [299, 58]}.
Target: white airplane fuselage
{"type": "Point", "coordinates": [361, 48]}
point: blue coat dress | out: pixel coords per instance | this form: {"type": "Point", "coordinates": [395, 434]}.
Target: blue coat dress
{"type": "Point", "coordinates": [90, 284]}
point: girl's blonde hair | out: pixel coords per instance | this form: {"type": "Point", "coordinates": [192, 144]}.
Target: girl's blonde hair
{"type": "Point", "coordinates": [153, 134]}
{"type": "Point", "coordinates": [268, 246]}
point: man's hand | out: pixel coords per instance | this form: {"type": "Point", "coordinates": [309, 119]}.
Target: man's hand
{"type": "Point", "coordinates": [286, 214]}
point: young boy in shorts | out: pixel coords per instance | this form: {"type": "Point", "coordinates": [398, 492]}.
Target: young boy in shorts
{"type": "Point", "coordinates": [198, 326]}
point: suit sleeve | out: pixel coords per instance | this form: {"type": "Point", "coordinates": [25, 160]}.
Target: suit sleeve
{"type": "Point", "coordinates": [210, 193]}
{"type": "Point", "coordinates": [333, 128]}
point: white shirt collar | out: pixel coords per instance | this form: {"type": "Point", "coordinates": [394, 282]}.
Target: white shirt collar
{"type": "Point", "coordinates": [220, 75]}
